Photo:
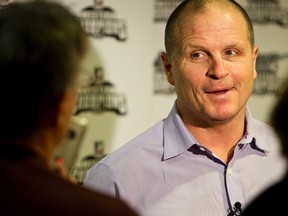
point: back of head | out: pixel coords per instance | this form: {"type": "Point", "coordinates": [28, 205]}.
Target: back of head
{"type": "Point", "coordinates": [41, 46]}
{"type": "Point", "coordinates": [194, 7]}
{"type": "Point", "coordinates": [279, 119]}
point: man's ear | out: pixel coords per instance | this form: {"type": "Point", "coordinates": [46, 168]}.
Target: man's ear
{"type": "Point", "coordinates": [255, 55]}
{"type": "Point", "coordinates": [167, 67]}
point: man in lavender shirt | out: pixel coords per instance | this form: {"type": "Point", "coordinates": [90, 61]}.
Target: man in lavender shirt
{"type": "Point", "coordinates": [209, 156]}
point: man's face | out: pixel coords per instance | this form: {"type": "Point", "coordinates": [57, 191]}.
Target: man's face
{"type": "Point", "coordinates": [213, 67]}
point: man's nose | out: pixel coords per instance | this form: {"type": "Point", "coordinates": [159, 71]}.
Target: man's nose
{"type": "Point", "coordinates": [217, 69]}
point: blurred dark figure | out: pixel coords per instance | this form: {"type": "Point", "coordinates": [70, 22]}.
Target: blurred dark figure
{"type": "Point", "coordinates": [271, 200]}
{"type": "Point", "coordinates": [42, 46]}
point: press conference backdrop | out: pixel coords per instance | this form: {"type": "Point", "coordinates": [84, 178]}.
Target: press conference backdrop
{"type": "Point", "coordinates": [128, 82]}
{"type": "Point", "coordinates": [125, 88]}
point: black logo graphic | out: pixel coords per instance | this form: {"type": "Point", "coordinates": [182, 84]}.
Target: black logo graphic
{"type": "Point", "coordinates": [163, 9]}
{"type": "Point", "coordinates": [100, 21]}
{"type": "Point", "coordinates": [100, 96]}
{"type": "Point", "coordinates": [267, 11]}
{"type": "Point", "coordinates": [268, 80]}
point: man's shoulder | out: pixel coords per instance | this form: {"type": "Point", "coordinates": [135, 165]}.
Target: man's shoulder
{"type": "Point", "coordinates": [133, 150]}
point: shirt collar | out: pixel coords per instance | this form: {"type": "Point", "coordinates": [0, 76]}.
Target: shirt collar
{"type": "Point", "coordinates": [250, 131]}
{"type": "Point", "coordinates": [252, 135]}
{"type": "Point", "coordinates": [177, 138]}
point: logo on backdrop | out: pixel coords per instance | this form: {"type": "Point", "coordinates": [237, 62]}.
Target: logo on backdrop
{"type": "Point", "coordinates": [163, 9]}
{"type": "Point", "coordinates": [100, 21]}
{"type": "Point", "coordinates": [260, 11]}
{"type": "Point", "coordinates": [268, 11]}
{"type": "Point", "coordinates": [267, 82]}
{"type": "Point", "coordinates": [99, 96]}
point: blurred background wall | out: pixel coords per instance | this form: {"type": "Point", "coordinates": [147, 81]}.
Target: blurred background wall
{"type": "Point", "coordinates": [127, 38]}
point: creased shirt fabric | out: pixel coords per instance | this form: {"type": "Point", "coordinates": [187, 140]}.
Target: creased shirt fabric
{"type": "Point", "coordinates": [166, 172]}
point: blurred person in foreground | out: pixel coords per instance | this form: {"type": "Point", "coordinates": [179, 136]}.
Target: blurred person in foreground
{"type": "Point", "coordinates": [209, 156]}
{"type": "Point", "coordinates": [271, 200]}
{"type": "Point", "coordinates": [42, 46]}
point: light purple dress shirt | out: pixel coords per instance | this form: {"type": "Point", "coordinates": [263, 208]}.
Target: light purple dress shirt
{"type": "Point", "coordinates": [166, 172]}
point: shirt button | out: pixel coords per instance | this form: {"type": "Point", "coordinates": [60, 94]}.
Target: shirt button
{"type": "Point", "coordinates": [202, 149]}
{"type": "Point", "coordinates": [229, 172]}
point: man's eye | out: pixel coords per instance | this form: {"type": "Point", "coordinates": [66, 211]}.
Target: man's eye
{"type": "Point", "coordinates": [197, 55]}
{"type": "Point", "coordinates": [230, 52]}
